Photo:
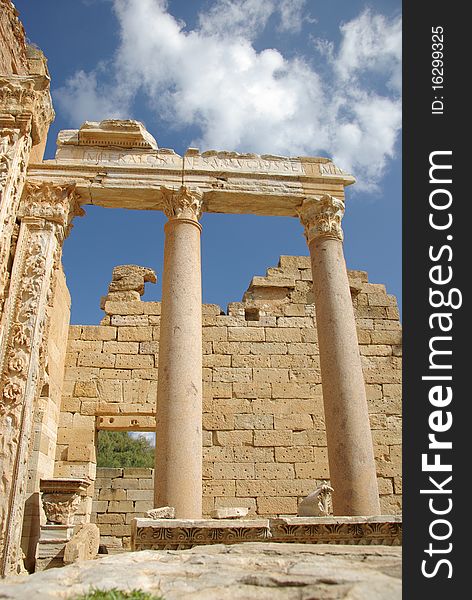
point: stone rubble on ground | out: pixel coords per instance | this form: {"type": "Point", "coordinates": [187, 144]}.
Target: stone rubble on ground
{"type": "Point", "coordinates": [259, 571]}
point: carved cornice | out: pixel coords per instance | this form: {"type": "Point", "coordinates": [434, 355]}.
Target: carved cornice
{"type": "Point", "coordinates": [54, 203]}
{"type": "Point", "coordinates": [26, 96]}
{"type": "Point", "coordinates": [321, 217]}
{"type": "Point", "coordinates": [184, 203]}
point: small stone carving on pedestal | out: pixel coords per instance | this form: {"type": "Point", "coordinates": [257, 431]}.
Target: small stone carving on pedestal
{"type": "Point", "coordinates": [61, 498]}
{"type": "Point", "coordinates": [317, 504]}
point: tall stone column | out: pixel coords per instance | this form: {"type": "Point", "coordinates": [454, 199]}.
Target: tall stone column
{"type": "Point", "coordinates": [45, 214]}
{"type": "Point", "coordinates": [350, 449]}
{"type": "Point", "coordinates": [178, 472]}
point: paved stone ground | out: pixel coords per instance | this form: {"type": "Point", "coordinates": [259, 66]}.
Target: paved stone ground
{"type": "Point", "coordinates": [259, 571]}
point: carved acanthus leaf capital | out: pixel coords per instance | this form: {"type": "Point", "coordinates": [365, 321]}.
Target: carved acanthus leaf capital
{"type": "Point", "coordinates": [184, 203]}
{"type": "Point", "coordinates": [55, 203]}
{"type": "Point", "coordinates": [24, 96]}
{"type": "Point", "coordinates": [321, 216]}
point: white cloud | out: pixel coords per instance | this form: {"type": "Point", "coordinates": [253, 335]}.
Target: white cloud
{"type": "Point", "coordinates": [238, 98]}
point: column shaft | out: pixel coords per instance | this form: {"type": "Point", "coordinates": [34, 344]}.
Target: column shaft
{"type": "Point", "coordinates": [178, 473]}
{"type": "Point", "coordinates": [350, 448]}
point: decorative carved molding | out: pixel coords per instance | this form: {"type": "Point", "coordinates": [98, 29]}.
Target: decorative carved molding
{"type": "Point", "coordinates": [60, 508]}
{"type": "Point", "coordinates": [184, 203]}
{"type": "Point", "coordinates": [175, 534]}
{"type": "Point", "coordinates": [57, 204]}
{"type": "Point", "coordinates": [22, 366]}
{"type": "Point", "coordinates": [26, 96]}
{"type": "Point", "coordinates": [321, 216]}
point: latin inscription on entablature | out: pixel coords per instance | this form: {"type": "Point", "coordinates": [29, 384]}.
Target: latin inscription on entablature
{"type": "Point", "coordinates": [174, 161]}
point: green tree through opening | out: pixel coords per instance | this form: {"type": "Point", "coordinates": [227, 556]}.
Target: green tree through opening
{"type": "Point", "coordinates": [118, 449]}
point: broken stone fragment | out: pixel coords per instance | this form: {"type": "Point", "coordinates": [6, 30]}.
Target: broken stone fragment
{"type": "Point", "coordinates": [318, 503]}
{"type": "Point", "coordinates": [126, 278]}
{"type": "Point", "coordinates": [163, 512]}
{"type": "Point", "coordinates": [229, 513]}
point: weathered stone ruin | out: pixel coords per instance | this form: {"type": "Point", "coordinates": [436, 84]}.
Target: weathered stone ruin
{"type": "Point", "coordinates": [298, 385]}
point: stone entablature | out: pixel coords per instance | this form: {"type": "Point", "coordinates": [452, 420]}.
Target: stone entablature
{"type": "Point", "coordinates": [131, 171]}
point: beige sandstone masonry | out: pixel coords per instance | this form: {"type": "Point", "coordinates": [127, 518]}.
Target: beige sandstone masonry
{"type": "Point", "coordinates": [264, 444]}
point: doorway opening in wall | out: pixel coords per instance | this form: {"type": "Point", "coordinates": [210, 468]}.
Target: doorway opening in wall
{"type": "Point", "coordinates": [124, 484]}
{"type": "Point", "coordinates": [118, 449]}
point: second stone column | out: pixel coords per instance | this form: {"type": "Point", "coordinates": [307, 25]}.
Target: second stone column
{"type": "Point", "coordinates": [350, 450]}
{"type": "Point", "coordinates": [178, 472]}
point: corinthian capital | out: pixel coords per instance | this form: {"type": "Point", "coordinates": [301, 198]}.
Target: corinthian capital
{"type": "Point", "coordinates": [321, 216]}
{"type": "Point", "coordinates": [184, 203]}
{"type": "Point", "coordinates": [55, 203]}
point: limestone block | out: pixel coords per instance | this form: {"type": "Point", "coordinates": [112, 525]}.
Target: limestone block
{"type": "Point", "coordinates": [99, 506]}
{"type": "Point", "coordinates": [251, 390]}
{"type": "Point", "coordinates": [74, 345]}
{"type": "Point", "coordinates": [215, 334]}
{"type": "Point", "coordinates": [271, 375]}
{"type": "Point", "coordinates": [76, 436]}
{"type": "Point", "coordinates": [271, 471]}
{"type": "Point", "coordinates": [81, 453]}
{"type": "Point", "coordinates": [254, 488]}
{"type": "Point", "coordinates": [151, 374]}
{"type": "Point", "coordinates": [114, 374]}
{"type": "Point", "coordinates": [268, 348]}
{"type": "Point", "coordinates": [232, 347]}
{"type": "Point", "coordinates": [163, 512]}
{"type": "Point", "coordinates": [120, 506]}
{"type": "Point", "coordinates": [248, 421]}
{"type": "Point", "coordinates": [251, 454]}
{"type": "Point", "coordinates": [134, 361]}
{"type": "Point", "coordinates": [259, 361]}
{"type": "Point", "coordinates": [229, 513]}
{"type": "Point", "coordinates": [246, 334]}
{"type": "Point", "coordinates": [110, 390]}
{"type": "Point", "coordinates": [300, 322]}
{"type": "Point", "coordinates": [121, 347]}
{"type": "Point", "coordinates": [385, 486]}
{"type": "Point", "coordinates": [117, 519]}
{"type": "Point", "coordinates": [276, 505]}
{"type": "Point", "coordinates": [228, 375]}
{"type": "Point", "coordinates": [283, 334]}
{"type": "Point", "coordinates": [134, 334]}
{"type": "Point", "coordinates": [130, 320]}
{"type": "Point", "coordinates": [398, 485]}
{"type": "Point", "coordinates": [125, 483]}
{"type": "Point", "coordinates": [233, 470]}
{"type": "Point", "coordinates": [296, 361]}
{"type": "Point", "coordinates": [305, 375]}
{"type": "Point", "coordinates": [218, 421]}
{"type": "Point", "coordinates": [123, 308]}
{"type": "Point", "coordinates": [225, 487]}
{"type": "Point", "coordinates": [294, 310]}
{"type": "Point", "coordinates": [221, 360]}
{"type": "Point", "coordinates": [293, 455]}
{"type": "Point", "coordinates": [87, 389]}
{"type": "Point", "coordinates": [386, 337]}
{"type": "Point", "coordinates": [295, 422]}
{"type": "Point", "coordinates": [219, 454]}
{"type": "Point", "coordinates": [233, 438]}
{"type": "Point", "coordinates": [295, 390]}
{"type": "Point", "coordinates": [149, 348]}
{"type": "Point", "coordinates": [108, 493]}
{"type": "Point", "coordinates": [96, 359]}
{"type": "Point", "coordinates": [94, 332]}
{"type": "Point", "coordinates": [272, 438]}
{"type": "Point", "coordinates": [309, 437]}
{"type": "Point", "coordinates": [312, 470]}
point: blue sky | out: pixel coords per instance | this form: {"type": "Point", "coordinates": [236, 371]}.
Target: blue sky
{"type": "Point", "coordinates": [290, 77]}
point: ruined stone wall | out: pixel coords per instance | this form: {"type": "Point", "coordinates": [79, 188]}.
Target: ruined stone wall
{"type": "Point", "coordinates": [121, 495]}
{"type": "Point", "coordinates": [264, 439]}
